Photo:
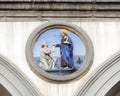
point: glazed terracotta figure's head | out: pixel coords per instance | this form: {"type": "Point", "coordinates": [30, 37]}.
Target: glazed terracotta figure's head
{"type": "Point", "coordinates": [64, 32]}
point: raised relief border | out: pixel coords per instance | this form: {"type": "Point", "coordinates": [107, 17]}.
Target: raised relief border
{"type": "Point", "coordinates": [59, 51]}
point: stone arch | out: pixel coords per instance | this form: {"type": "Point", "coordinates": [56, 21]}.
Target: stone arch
{"type": "Point", "coordinates": [114, 91]}
{"type": "Point", "coordinates": [14, 81]}
{"type": "Point", "coordinates": [103, 78]}
{"type": "Point", "coordinates": [3, 91]}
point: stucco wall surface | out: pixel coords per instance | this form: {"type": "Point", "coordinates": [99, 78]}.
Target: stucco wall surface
{"type": "Point", "coordinates": [105, 37]}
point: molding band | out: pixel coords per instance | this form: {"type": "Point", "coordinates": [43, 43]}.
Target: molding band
{"type": "Point", "coordinates": [16, 80]}
{"type": "Point", "coordinates": [113, 62]}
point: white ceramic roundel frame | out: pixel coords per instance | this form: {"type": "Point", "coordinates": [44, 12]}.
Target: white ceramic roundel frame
{"type": "Point", "coordinates": [73, 28]}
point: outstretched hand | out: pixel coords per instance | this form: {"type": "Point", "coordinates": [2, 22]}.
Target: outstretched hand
{"type": "Point", "coordinates": [53, 44]}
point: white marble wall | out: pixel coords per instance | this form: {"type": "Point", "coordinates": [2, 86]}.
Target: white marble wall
{"type": "Point", "coordinates": [105, 37]}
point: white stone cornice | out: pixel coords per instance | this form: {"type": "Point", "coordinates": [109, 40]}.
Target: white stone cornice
{"type": "Point", "coordinates": [59, 0]}
{"type": "Point", "coordinates": [58, 9]}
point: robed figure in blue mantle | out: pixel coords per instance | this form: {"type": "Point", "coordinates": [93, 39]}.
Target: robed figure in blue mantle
{"type": "Point", "coordinates": [66, 50]}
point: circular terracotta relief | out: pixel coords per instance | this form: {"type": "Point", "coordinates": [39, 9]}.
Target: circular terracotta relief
{"type": "Point", "coordinates": [59, 51]}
